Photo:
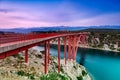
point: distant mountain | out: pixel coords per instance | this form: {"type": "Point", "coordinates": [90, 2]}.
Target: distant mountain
{"type": "Point", "coordinates": [105, 27]}
{"type": "Point", "coordinates": [57, 28]}
{"type": "Point", "coordinates": [100, 30]}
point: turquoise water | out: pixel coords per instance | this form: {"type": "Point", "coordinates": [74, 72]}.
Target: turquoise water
{"type": "Point", "coordinates": [101, 65]}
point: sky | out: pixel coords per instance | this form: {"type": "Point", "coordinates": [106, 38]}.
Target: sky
{"type": "Point", "coordinates": [46, 13]}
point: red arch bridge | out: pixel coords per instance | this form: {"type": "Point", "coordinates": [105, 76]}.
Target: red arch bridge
{"type": "Point", "coordinates": [12, 43]}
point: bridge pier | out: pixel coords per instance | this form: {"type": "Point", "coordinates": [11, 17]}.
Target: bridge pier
{"type": "Point", "coordinates": [26, 56]}
{"type": "Point", "coordinates": [48, 47]}
{"type": "Point", "coordinates": [58, 55]}
{"type": "Point", "coordinates": [46, 59]}
{"type": "Point", "coordinates": [65, 49]}
{"type": "Point", "coordinates": [84, 39]}
{"type": "Point", "coordinates": [73, 42]}
{"type": "Point", "coordinates": [69, 47]}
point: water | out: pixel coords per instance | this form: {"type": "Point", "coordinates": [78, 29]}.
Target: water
{"type": "Point", "coordinates": [101, 65]}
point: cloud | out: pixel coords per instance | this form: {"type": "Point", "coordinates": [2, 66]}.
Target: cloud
{"type": "Point", "coordinates": [22, 19]}
{"type": "Point", "coordinates": [39, 15]}
{"type": "Point", "coordinates": [6, 10]}
{"type": "Point", "coordinates": [19, 15]}
{"type": "Point", "coordinates": [104, 19]}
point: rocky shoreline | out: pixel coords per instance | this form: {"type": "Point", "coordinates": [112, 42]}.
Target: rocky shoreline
{"type": "Point", "coordinates": [88, 47]}
{"type": "Point", "coordinates": [99, 48]}
{"type": "Point", "coordinates": [14, 68]}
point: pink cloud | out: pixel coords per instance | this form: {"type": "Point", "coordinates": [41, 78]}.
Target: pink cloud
{"type": "Point", "coordinates": [15, 16]}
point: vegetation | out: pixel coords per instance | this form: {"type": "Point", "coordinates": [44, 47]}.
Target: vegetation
{"type": "Point", "coordinates": [61, 69]}
{"type": "Point", "coordinates": [75, 67]}
{"type": "Point", "coordinates": [8, 60]}
{"type": "Point", "coordinates": [53, 76]}
{"type": "Point", "coordinates": [84, 73]}
{"type": "Point", "coordinates": [42, 52]}
{"type": "Point", "coordinates": [118, 49]}
{"type": "Point", "coordinates": [80, 78]}
{"type": "Point", "coordinates": [19, 57]}
{"type": "Point", "coordinates": [105, 36]}
{"type": "Point", "coordinates": [22, 73]}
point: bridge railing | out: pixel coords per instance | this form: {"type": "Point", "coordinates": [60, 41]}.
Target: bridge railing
{"type": "Point", "coordinates": [8, 38]}
{"type": "Point", "coordinates": [15, 37]}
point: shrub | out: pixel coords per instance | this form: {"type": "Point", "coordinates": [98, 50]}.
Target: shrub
{"type": "Point", "coordinates": [118, 49]}
{"type": "Point", "coordinates": [84, 73]}
{"type": "Point", "coordinates": [53, 76]}
{"type": "Point", "coordinates": [32, 69]}
{"type": "Point", "coordinates": [62, 77]}
{"type": "Point", "coordinates": [22, 73]}
{"type": "Point", "coordinates": [42, 52]}
{"type": "Point", "coordinates": [43, 77]}
{"type": "Point", "coordinates": [80, 78]}
{"type": "Point", "coordinates": [32, 77]}
{"type": "Point", "coordinates": [75, 66]}
{"type": "Point", "coordinates": [18, 56]}
{"type": "Point", "coordinates": [8, 60]}
{"type": "Point", "coordinates": [38, 56]}
{"type": "Point", "coordinates": [20, 61]}
{"type": "Point", "coordinates": [61, 69]}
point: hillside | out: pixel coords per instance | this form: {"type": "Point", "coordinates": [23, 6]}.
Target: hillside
{"type": "Point", "coordinates": [14, 68]}
{"type": "Point", "coordinates": [108, 39]}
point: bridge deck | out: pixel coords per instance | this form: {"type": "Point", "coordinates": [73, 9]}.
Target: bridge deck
{"type": "Point", "coordinates": [17, 44]}
{"type": "Point", "coordinates": [10, 42]}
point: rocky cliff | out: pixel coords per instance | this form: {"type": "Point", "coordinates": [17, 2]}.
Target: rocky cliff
{"type": "Point", "coordinates": [14, 68]}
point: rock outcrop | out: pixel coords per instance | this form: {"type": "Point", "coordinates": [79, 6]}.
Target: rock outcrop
{"type": "Point", "coordinates": [14, 68]}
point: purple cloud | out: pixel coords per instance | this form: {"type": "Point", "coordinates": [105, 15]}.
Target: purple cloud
{"type": "Point", "coordinates": [6, 10]}
{"type": "Point", "coordinates": [30, 15]}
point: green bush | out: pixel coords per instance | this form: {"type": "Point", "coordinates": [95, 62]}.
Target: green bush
{"type": "Point", "coordinates": [8, 60]}
{"type": "Point", "coordinates": [61, 69]}
{"type": "Point", "coordinates": [84, 73]}
{"type": "Point", "coordinates": [42, 52]}
{"type": "Point", "coordinates": [18, 56]}
{"type": "Point", "coordinates": [75, 67]}
{"type": "Point", "coordinates": [53, 76]}
{"type": "Point", "coordinates": [63, 77]}
{"type": "Point", "coordinates": [32, 69]}
{"type": "Point", "coordinates": [80, 78]}
{"type": "Point", "coordinates": [32, 77]}
{"type": "Point", "coordinates": [43, 77]}
{"type": "Point", "coordinates": [22, 73]}
{"type": "Point", "coordinates": [118, 49]}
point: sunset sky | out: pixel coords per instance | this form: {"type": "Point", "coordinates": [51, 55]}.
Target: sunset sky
{"type": "Point", "coordinates": [41, 13]}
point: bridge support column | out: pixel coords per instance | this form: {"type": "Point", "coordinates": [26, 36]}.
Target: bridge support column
{"type": "Point", "coordinates": [47, 56]}
{"type": "Point", "coordinates": [48, 47]}
{"type": "Point", "coordinates": [65, 48]}
{"type": "Point", "coordinates": [75, 47]}
{"type": "Point", "coordinates": [84, 39]}
{"type": "Point", "coordinates": [72, 47]}
{"type": "Point", "coordinates": [69, 47]}
{"type": "Point", "coordinates": [45, 59]}
{"type": "Point", "coordinates": [26, 56]}
{"type": "Point", "coordinates": [58, 55]}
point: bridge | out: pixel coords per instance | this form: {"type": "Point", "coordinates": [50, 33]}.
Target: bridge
{"type": "Point", "coordinates": [12, 43]}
